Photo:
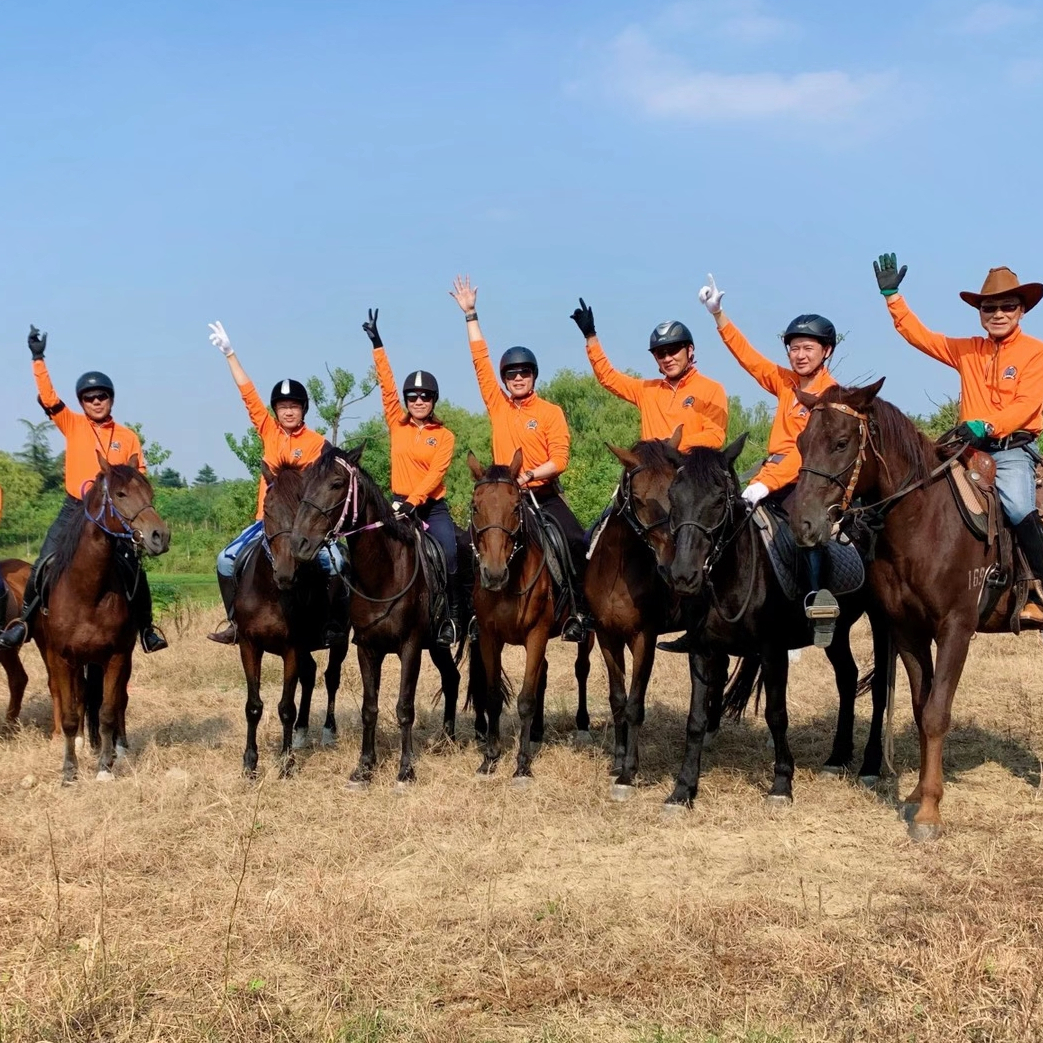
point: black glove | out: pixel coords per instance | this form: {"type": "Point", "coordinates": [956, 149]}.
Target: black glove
{"type": "Point", "coordinates": [371, 328]}
{"type": "Point", "coordinates": [37, 343]}
{"type": "Point", "coordinates": [583, 317]}
{"type": "Point", "coordinates": [407, 511]}
{"type": "Point", "coordinates": [888, 274]}
{"type": "Point", "coordinates": [973, 432]}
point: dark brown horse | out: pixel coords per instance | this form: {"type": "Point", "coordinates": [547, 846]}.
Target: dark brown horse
{"type": "Point", "coordinates": [515, 604]}
{"type": "Point", "coordinates": [928, 570]}
{"type": "Point", "coordinates": [15, 573]}
{"type": "Point", "coordinates": [88, 622]}
{"type": "Point", "coordinates": [390, 601]}
{"type": "Point", "coordinates": [282, 609]}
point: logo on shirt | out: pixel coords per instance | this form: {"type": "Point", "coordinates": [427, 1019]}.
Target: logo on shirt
{"type": "Point", "coordinates": [532, 425]}
{"type": "Point", "coordinates": [688, 402]}
{"type": "Point", "coordinates": [297, 453]}
{"type": "Point", "coordinates": [116, 446]}
{"type": "Point", "coordinates": [432, 441]}
{"type": "Point", "coordinates": [803, 411]}
{"type": "Point", "coordinates": [1010, 373]}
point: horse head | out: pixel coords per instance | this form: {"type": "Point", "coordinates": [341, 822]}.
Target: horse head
{"type": "Point", "coordinates": [121, 499]}
{"type": "Point", "coordinates": [704, 503]}
{"type": "Point", "coordinates": [497, 524]}
{"type": "Point", "coordinates": [330, 497]}
{"type": "Point", "coordinates": [280, 509]}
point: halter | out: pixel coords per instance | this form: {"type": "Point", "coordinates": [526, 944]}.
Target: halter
{"type": "Point", "coordinates": [628, 510]}
{"type": "Point", "coordinates": [350, 502]}
{"type": "Point", "coordinates": [136, 536]}
{"type": "Point", "coordinates": [516, 535]}
{"type": "Point", "coordinates": [864, 439]}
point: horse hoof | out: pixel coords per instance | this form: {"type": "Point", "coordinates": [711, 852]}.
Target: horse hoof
{"type": "Point", "coordinates": [582, 738]}
{"type": "Point", "coordinates": [521, 782]}
{"type": "Point", "coordinates": [708, 740]}
{"type": "Point", "coordinates": [620, 792]}
{"type": "Point", "coordinates": [778, 800]}
{"type": "Point", "coordinates": [830, 771]}
{"type": "Point", "coordinates": [105, 776]}
{"type": "Point", "coordinates": [907, 812]}
{"type": "Point", "coordinates": [868, 781]}
{"type": "Point", "coordinates": [300, 739]}
{"type": "Point", "coordinates": [672, 811]}
{"type": "Point", "coordinates": [358, 785]}
{"type": "Point", "coordinates": [923, 832]}
{"type": "Point", "coordinates": [329, 737]}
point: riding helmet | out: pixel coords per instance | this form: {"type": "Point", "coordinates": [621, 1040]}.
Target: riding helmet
{"type": "Point", "coordinates": [814, 326]}
{"type": "Point", "coordinates": [669, 333]}
{"type": "Point", "coordinates": [290, 391]}
{"type": "Point", "coordinates": [94, 380]}
{"type": "Point", "coordinates": [519, 356]}
{"type": "Point", "coordinates": [420, 380]}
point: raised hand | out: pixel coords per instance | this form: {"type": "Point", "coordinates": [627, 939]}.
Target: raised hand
{"type": "Point", "coordinates": [464, 293]}
{"type": "Point", "coordinates": [37, 343]}
{"type": "Point", "coordinates": [888, 274]}
{"type": "Point", "coordinates": [219, 339]}
{"type": "Point", "coordinates": [583, 317]}
{"type": "Point", "coordinates": [710, 296]}
{"type": "Point", "coordinates": [370, 326]}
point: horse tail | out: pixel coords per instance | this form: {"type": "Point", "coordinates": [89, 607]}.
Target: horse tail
{"type": "Point", "coordinates": [865, 683]}
{"type": "Point", "coordinates": [745, 679]}
{"type": "Point", "coordinates": [476, 693]}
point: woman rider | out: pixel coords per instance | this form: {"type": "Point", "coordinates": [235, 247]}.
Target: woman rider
{"type": "Point", "coordinates": [521, 419]}
{"type": "Point", "coordinates": [421, 452]}
{"type": "Point", "coordinates": [287, 443]}
{"type": "Point", "coordinates": [86, 435]}
{"type": "Point", "coordinates": [810, 341]}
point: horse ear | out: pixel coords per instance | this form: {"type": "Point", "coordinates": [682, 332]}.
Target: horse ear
{"type": "Point", "coordinates": [269, 474]}
{"type": "Point", "coordinates": [861, 397]}
{"type": "Point", "coordinates": [134, 462]}
{"type": "Point", "coordinates": [103, 464]}
{"type": "Point", "coordinates": [734, 451]}
{"type": "Point", "coordinates": [674, 441]}
{"type": "Point", "coordinates": [476, 468]}
{"type": "Point", "coordinates": [353, 455]}
{"type": "Point", "coordinates": [516, 462]}
{"type": "Point", "coordinates": [628, 459]}
{"type": "Point", "coordinates": [806, 400]}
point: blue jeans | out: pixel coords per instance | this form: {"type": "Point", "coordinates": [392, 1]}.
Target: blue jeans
{"type": "Point", "coordinates": [331, 559]}
{"type": "Point", "coordinates": [1016, 482]}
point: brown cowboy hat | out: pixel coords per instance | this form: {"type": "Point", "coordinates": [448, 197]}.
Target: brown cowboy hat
{"type": "Point", "coordinates": [1002, 282]}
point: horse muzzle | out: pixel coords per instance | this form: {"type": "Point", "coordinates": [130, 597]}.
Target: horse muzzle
{"type": "Point", "coordinates": [155, 539]}
{"type": "Point", "coordinates": [812, 529]}
{"type": "Point", "coordinates": [685, 580]}
{"type": "Point", "coordinates": [304, 547]}
{"type": "Point", "coordinates": [493, 579]}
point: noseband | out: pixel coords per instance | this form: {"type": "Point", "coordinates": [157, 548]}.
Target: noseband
{"type": "Point", "coordinates": [865, 439]}
{"type": "Point", "coordinates": [628, 510]}
{"type": "Point", "coordinates": [516, 535]}
{"type": "Point", "coordinates": [136, 536]}
{"type": "Point", "coordinates": [714, 533]}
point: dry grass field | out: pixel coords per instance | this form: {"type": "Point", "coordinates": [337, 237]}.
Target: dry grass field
{"type": "Point", "coordinates": [185, 903]}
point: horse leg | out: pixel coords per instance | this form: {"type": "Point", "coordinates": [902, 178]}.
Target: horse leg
{"type": "Point", "coordinates": [332, 679]}
{"type": "Point", "coordinates": [114, 692]}
{"type": "Point", "coordinates": [405, 709]}
{"type": "Point", "coordinates": [775, 669]}
{"type": "Point", "coordinates": [442, 657]}
{"type": "Point", "coordinates": [538, 723]}
{"type": "Point", "coordinates": [294, 667]}
{"type": "Point", "coordinates": [17, 679]}
{"type": "Point", "coordinates": [873, 755]}
{"type": "Point", "coordinates": [370, 663]}
{"type": "Point", "coordinates": [845, 671]}
{"type": "Point", "coordinates": [93, 697]}
{"type": "Point", "coordinates": [307, 671]}
{"type": "Point", "coordinates": [643, 651]}
{"type": "Point", "coordinates": [529, 698]}
{"type": "Point", "coordinates": [701, 666]}
{"type": "Point", "coordinates": [615, 664]}
{"type": "Point", "coordinates": [920, 670]}
{"type": "Point", "coordinates": [582, 671]}
{"type": "Point", "coordinates": [478, 692]}
{"type": "Point", "coordinates": [492, 650]}
{"type": "Point", "coordinates": [63, 681]}
{"type": "Point", "coordinates": [251, 655]}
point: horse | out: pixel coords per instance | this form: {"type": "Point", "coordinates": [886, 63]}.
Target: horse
{"type": "Point", "coordinates": [88, 621]}
{"type": "Point", "coordinates": [514, 603]}
{"type": "Point", "coordinates": [390, 607]}
{"type": "Point", "coordinates": [711, 552]}
{"type": "Point", "coordinates": [282, 610]}
{"type": "Point", "coordinates": [928, 571]}
{"type": "Point", "coordinates": [15, 573]}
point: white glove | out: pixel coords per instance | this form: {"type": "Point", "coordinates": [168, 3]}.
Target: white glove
{"type": "Point", "coordinates": [710, 296]}
{"type": "Point", "coordinates": [755, 492]}
{"type": "Point", "coordinates": [220, 340]}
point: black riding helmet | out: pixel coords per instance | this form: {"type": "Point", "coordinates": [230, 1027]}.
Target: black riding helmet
{"type": "Point", "coordinates": [814, 326]}
{"type": "Point", "coordinates": [420, 380]}
{"type": "Point", "coordinates": [94, 380]}
{"type": "Point", "coordinates": [667, 334]}
{"type": "Point", "coordinates": [290, 391]}
{"type": "Point", "coordinates": [519, 356]}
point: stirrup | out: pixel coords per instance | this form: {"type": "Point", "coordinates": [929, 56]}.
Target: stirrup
{"type": "Point", "coordinates": [15, 634]}
{"type": "Point", "coordinates": [574, 630]}
{"type": "Point", "coordinates": [822, 609]}
{"type": "Point", "coordinates": [152, 639]}
{"type": "Point", "coordinates": [446, 635]}
{"type": "Point", "coordinates": [472, 629]}
{"type": "Point", "coordinates": [228, 635]}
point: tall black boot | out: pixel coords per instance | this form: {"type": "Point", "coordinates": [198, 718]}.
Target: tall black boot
{"type": "Point", "coordinates": [18, 630]}
{"type": "Point", "coordinates": [687, 641]}
{"type": "Point", "coordinates": [450, 625]}
{"type": "Point", "coordinates": [228, 634]}
{"type": "Point", "coordinates": [820, 606]}
{"type": "Point", "coordinates": [1030, 538]}
{"type": "Point", "coordinates": [152, 638]}
{"type": "Point", "coordinates": [337, 621]}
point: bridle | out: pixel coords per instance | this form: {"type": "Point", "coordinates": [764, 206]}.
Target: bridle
{"type": "Point", "coordinates": [136, 536]}
{"type": "Point", "coordinates": [865, 439]}
{"type": "Point", "coordinates": [628, 510]}
{"type": "Point", "coordinates": [516, 535]}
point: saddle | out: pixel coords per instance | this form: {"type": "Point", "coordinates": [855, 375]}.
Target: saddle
{"type": "Point", "coordinates": [128, 565]}
{"type": "Point", "coordinates": [555, 549]}
{"type": "Point", "coordinates": [436, 575]}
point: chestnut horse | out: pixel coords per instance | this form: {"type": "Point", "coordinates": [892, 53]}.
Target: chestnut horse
{"type": "Point", "coordinates": [928, 569]}
{"type": "Point", "coordinates": [88, 622]}
{"type": "Point", "coordinates": [514, 604]}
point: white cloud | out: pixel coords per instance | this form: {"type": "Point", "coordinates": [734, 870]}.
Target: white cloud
{"type": "Point", "coordinates": [659, 84]}
{"type": "Point", "coordinates": [992, 17]}
{"type": "Point", "coordinates": [743, 21]}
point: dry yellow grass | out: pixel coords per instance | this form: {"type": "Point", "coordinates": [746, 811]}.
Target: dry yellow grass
{"type": "Point", "coordinates": [184, 903]}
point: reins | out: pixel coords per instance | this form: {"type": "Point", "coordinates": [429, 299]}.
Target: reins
{"type": "Point", "coordinates": [136, 536]}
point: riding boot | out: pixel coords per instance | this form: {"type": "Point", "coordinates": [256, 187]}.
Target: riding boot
{"type": "Point", "coordinates": [450, 625]}
{"type": "Point", "coordinates": [687, 641]}
{"type": "Point", "coordinates": [820, 606]}
{"type": "Point", "coordinates": [152, 638]}
{"type": "Point", "coordinates": [18, 629]}
{"type": "Point", "coordinates": [228, 634]}
{"type": "Point", "coordinates": [1029, 532]}
{"type": "Point", "coordinates": [579, 623]}
{"type": "Point", "coordinates": [336, 623]}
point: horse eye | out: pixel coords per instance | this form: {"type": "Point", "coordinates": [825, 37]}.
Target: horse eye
{"type": "Point", "coordinates": [842, 444]}
{"type": "Point", "coordinates": [121, 495]}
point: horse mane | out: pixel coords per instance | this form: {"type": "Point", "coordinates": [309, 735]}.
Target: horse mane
{"type": "Point", "coordinates": [369, 492]}
{"type": "Point", "coordinates": [654, 452]}
{"type": "Point", "coordinates": [498, 473]}
{"type": "Point", "coordinates": [288, 483]}
{"type": "Point", "coordinates": [702, 464]}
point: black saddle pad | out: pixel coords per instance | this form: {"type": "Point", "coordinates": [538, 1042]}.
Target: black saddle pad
{"type": "Point", "coordinates": [436, 574]}
{"type": "Point", "coordinates": [245, 556]}
{"type": "Point", "coordinates": [556, 547]}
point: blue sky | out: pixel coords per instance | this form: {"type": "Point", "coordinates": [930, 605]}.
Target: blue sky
{"type": "Point", "coordinates": [284, 166]}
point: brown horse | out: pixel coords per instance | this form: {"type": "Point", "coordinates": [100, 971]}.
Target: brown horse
{"type": "Point", "coordinates": [928, 569]}
{"type": "Point", "coordinates": [390, 601]}
{"type": "Point", "coordinates": [88, 622]}
{"type": "Point", "coordinates": [514, 604]}
{"type": "Point", "coordinates": [282, 609]}
{"type": "Point", "coordinates": [15, 573]}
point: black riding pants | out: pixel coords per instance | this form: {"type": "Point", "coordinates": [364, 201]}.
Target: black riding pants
{"type": "Point", "coordinates": [551, 501]}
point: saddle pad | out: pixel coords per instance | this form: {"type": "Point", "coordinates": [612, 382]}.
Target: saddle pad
{"type": "Point", "coordinates": [846, 571]}
{"type": "Point", "coordinates": [781, 548]}
{"type": "Point", "coordinates": [555, 547]}
{"type": "Point", "coordinates": [971, 500]}
{"type": "Point", "coordinates": [433, 565]}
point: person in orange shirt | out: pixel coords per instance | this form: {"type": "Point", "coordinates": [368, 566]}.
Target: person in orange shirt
{"type": "Point", "coordinates": [1001, 389]}
{"type": "Point", "coordinates": [86, 435]}
{"type": "Point", "coordinates": [682, 397]}
{"type": "Point", "coordinates": [421, 452]}
{"type": "Point", "coordinates": [809, 340]}
{"type": "Point", "coordinates": [520, 419]}
{"type": "Point", "coordinates": [287, 443]}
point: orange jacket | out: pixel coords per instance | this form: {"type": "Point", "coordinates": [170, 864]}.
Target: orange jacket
{"type": "Point", "coordinates": [84, 439]}
{"type": "Point", "coordinates": [697, 403]}
{"type": "Point", "coordinates": [1001, 384]}
{"type": "Point", "coordinates": [302, 447]}
{"type": "Point", "coordinates": [790, 416]}
{"type": "Point", "coordinates": [420, 453]}
{"type": "Point", "coordinates": [535, 425]}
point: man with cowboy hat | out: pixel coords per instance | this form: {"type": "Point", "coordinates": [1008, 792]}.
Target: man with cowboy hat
{"type": "Point", "coordinates": [1001, 390]}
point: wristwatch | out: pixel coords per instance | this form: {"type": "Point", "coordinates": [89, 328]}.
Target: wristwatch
{"type": "Point", "coordinates": [529, 475]}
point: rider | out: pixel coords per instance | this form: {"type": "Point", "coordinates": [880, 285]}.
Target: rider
{"type": "Point", "coordinates": [421, 452]}
{"type": "Point", "coordinates": [1001, 390]}
{"type": "Point", "coordinates": [810, 341]}
{"type": "Point", "coordinates": [86, 435]}
{"type": "Point", "coordinates": [287, 443]}
{"type": "Point", "coordinates": [682, 397]}
{"type": "Point", "coordinates": [521, 419]}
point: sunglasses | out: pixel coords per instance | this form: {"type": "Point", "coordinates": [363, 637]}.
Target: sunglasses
{"type": "Point", "coordinates": [664, 353]}
{"type": "Point", "coordinates": [96, 396]}
{"type": "Point", "coordinates": [517, 371]}
{"type": "Point", "coordinates": [420, 396]}
{"type": "Point", "coordinates": [1007, 307]}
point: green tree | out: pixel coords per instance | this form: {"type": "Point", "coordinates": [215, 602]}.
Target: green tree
{"type": "Point", "coordinates": [332, 402]}
{"type": "Point", "coordinates": [155, 454]}
{"type": "Point", "coordinates": [206, 476]}
{"type": "Point", "coordinates": [757, 420]}
{"type": "Point", "coordinates": [945, 416]}
{"type": "Point", "coordinates": [168, 478]}
{"type": "Point", "coordinates": [248, 450]}
{"type": "Point", "coordinates": [36, 454]}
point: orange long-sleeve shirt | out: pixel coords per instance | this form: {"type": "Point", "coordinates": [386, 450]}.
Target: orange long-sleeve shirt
{"type": "Point", "coordinates": [697, 403]}
{"type": "Point", "coordinates": [298, 449]}
{"type": "Point", "coordinates": [790, 416]}
{"type": "Point", "coordinates": [84, 439]}
{"type": "Point", "coordinates": [420, 452]}
{"type": "Point", "coordinates": [1001, 384]}
{"type": "Point", "coordinates": [534, 425]}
